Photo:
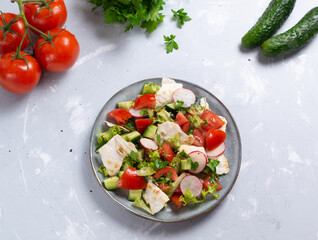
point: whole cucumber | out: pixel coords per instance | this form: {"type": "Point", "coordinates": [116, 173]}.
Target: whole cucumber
{"type": "Point", "coordinates": [268, 24]}
{"type": "Point", "coordinates": [295, 38]}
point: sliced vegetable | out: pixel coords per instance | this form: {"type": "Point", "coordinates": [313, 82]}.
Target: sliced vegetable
{"type": "Point", "coordinates": [120, 115]}
{"type": "Point", "coordinates": [216, 152]}
{"type": "Point", "coordinates": [166, 152]}
{"type": "Point", "coordinates": [142, 124]}
{"type": "Point", "coordinates": [166, 171]}
{"type": "Point", "coordinates": [175, 198]}
{"type": "Point", "coordinates": [184, 95]}
{"type": "Point", "coordinates": [149, 144]}
{"type": "Point", "coordinates": [199, 138]}
{"type": "Point", "coordinates": [175, 185]}
{"type": "Point", "coordinates": [192, 183]}
{"type": "Point", "coordinates": [200, 158]}
{"type": "Point", "coordinates": [150, 88]}
{"type": "Point", "coordinates": [211, 120]}
{"type": "Point", "coordinates": [137, 113]}
{"type": "Point", "coordinates": [131, 180]}
{"type": "Point", "coordinates": [134, 194]}
{"type": "Point", "coordinates": [209, 182]}
{"type": "Point", "coordinates": [111, 183]}
{"type": "Point", "coordinates": [214, 138]}
{"type": "Point", "coordinates": [150, 132]}
{"type": "Point", "coordinates": [145, 101]}
{"type": "Point", "coordinates": [131, 137]}
{"type": "Point", "coordinates": [126, 105]}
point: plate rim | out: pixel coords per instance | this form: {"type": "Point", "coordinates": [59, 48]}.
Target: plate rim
{"type": "Point", "coordinates": [154, 219]}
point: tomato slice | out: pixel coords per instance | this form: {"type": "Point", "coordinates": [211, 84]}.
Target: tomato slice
{"type": "Point", "coordinates": [181, 119]}
{"type": "Point", "coordinates": [212, 120]}
{"type": "Point", "coordinates": [142, 124]}
{"type": "Point", "coordinates": [175, 199]}
{"type": "Point", "coordinates": [166, 152]}
{"type": "Point", "coordinates": [166, 171]}
{"type": "Point", "coordinates": [199, 138]}
{"type": "Point", "coordinates": [185, 127]}
{"type": "Point", "coordinates": [130, 180]}
{"type": "Point", "coordinates": [120, 115]}
{"type": "Point", "coordinates": [214, 138]}
{"type": "Point", "coordinates": [145, 101]}
{"type": "Point", "coordinates": [164, 187]}
{"type": "Point", "coordinates": [207, 182]}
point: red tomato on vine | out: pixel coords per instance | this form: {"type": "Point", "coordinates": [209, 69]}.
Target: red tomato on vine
{"type": "Point", "coordinates": [11, 33]}
{"type": "Point", "coordinates": [19, 75]}
{"type": "Point", "coordinates": [47, 16]}
{"type": "Point", "coordinates": [60, 54]}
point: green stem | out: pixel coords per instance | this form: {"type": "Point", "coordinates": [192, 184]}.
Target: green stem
{"type": "Point", "coordinates": [26, 23]}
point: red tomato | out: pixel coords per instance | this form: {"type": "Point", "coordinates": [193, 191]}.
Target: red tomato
{"type": "Point", "coordinates": [181, 119]}
{"type": "Point", "coordinates": [214, 138]}
{"type": "Point", "coordinates": [164, 187]}
{"type": "Point", "coordinates": [11, 40]}
{"type": "Point", "coordinates": [212, 120]}
{"type": "Point", "coordinates": [166, 171]}
{"type": "Point", "coordinates": [207, 182]}
{"type": "Point", "coordinates": [62, 56]}
{"type": "Point", "coordinates": [45, 19]}
{"type": "Point", "coordinates": [145, 101]}
{"type": "Point", "coordinates": [130, 180]}
{"type": "Point", "coordinates": [185, 127]}
{"type": "Point", "coordinates": [166, 152]}
{"type": "Point", "coordinates": [175, 199]}
{"type": "Point", "coordinates": [142, 124]}
{"type": "Point", "coordinates": [178, 190]}
{"type": "Point", "coordinates": [16, 75]}
{"type": "Point", "coordinates": [120, 115]}
{"type": "Point", "coordinates": [199, 138]}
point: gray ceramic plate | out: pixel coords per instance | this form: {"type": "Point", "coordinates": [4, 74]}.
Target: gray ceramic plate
{"type": "Point", "coordinates": [170, 213]}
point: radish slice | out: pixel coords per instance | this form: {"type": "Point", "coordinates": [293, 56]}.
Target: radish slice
{"type": "Point", "coordinates": [192, 183]}
{"type": "Point", "coordinates": [216, 152]}
{"type": "Point", "coordinates": [200, 158]}
{"type": "Point", "coordinates": [149, 144]}
{"type": "Point", "coordinates": [136, 113]}
{"type": "Point", "coordinates": [184, 95]}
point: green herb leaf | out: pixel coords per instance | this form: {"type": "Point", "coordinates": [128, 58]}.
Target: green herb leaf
{"type": "Point", "coordinates": [179, 104]}
{"type": "Point", "coordinates": [170, 43]}
{"type": "Point", "coordinates": [133, 155]}
{"type": "Point", "coordinates": [160, 164]}
{"type": "Point", "coordinates": [211, 169]}
{"type": "Point", "coordinates": [194, 165]}
{"type": "Point", "coordinates": [205, 123]}
{"type": "Point", "coordinates": [144, 112]}
{"type": "Point", "coordinates": [181, 16]}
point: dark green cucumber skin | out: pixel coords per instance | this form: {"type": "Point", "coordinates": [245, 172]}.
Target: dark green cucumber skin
{"type": "Point", "coordinates": [267, 25]}
{"type": "Point", "coordinates": [295, 38]}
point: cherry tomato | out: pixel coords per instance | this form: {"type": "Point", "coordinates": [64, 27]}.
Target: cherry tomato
{"type": "Point", "coordinates": [175, 199]}
{"type": "Point", "coordinates": [207, 182]}
{"type": "Point", "coordinates": [164, 187]}
{"type": "Point", "coordinates": [19, 76]}
{"type": "Point", "coordinates": [214, 138]}
{"type": "Point", "coordinates": [62, 56]}
{"type": "Point", "coordinates": [199, 138]}
{"type": "Point", "coordinates": [45, 19]}
{"type": "Point", "coordinates": [166, 171]}
{"type": "Point", "coordinates": [120, 115]}
{"type": "Point", "coordinates": [12, 40]}
{"type": "Point", "coordinates": [166, 152]}
{"type": "Point", "coordinates": [142, 124]}
{"type": "Point", "coordinates": [145, 101]}
{"type": "Point", "coordinates": [211, 120]}
{"type": "Point", "coordinates": [130, 180]}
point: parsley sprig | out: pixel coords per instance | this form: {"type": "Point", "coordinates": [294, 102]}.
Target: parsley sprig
{"type": "Point", "coordinates": [181, 16]}
{"type": "Point", "coordinates": [170, 43]}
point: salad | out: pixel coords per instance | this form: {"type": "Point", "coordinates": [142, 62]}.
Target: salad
{"type": "Point", "coordinates": [165, 145]}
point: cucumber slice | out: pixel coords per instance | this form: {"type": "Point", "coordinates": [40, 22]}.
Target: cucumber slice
{"type": "Point", "coordinates": [130, 125]}
{"type": "Point", "coordinates": [150, 132]}
{"type": "Point", "coordinates": [134, 194]}
{"type": "Point", "coordinates": [126, 105]}
{"type": "Point", "coordinates": [132, 137]}
{"type": "Point", "coordinates": [185, 165]}
{"type": "Point", "coordinates": [120, 173]}
{"type": "Point", "coordinates": [141, 154]}
{"type": "Point", "coordinates": [111, 183]}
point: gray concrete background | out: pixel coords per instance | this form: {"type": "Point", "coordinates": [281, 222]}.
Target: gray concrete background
{"type": "Point", "coordinates": [47, 188]}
